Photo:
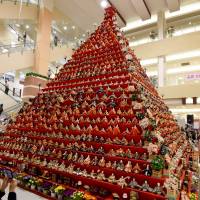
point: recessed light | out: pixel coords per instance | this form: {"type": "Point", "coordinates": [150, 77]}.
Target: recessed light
{"type": "Point", "coordinates": [27, 26]}
{"type": "Point", "coordinates": [190, 23]}
{"type": "Point", "coordinates": [75, 38]}
{"type": "Point", "coordinates": [18, 25]}
{"type": "Point", "coordinates": [83, 35]}
{"type": "Point", "coordinates": [65, 27]}
{"type": "Point", "coordinates": [104, 4]}
{"type": "Point", "coordinates": [73, 27]}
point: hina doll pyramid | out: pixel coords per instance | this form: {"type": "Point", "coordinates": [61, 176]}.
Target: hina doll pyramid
{"type": "Point", "coordinates": [100, 127]}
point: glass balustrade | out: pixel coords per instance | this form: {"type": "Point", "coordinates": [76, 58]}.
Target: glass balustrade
{"type": "Point", "coordinates": [173, 30]}
{"type": "Point", "coordinates": [18, 47]}
{"type": "Point", "coordinates": [36, 2]}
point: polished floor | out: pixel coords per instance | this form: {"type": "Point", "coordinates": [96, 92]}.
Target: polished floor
{"type": "Point", "coordinates": [24, 195]}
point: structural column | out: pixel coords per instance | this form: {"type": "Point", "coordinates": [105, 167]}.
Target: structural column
{"type": "Point", "coordinates": [42, 56]}
{"type": "Point", "coordinates": [161, 59]}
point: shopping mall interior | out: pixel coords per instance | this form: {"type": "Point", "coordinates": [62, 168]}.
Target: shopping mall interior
{"type": "Point", "coordinates": [99, 99]}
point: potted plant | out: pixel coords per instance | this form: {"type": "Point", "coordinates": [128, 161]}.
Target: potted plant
{"type": "Point", "coordinates": [59, 190]}
{"type": "Point", "coordinates": [77, 195]}
{"type": "Point", "coordinates": [67, 194]}
{"type": "Point", "coordinates": [39, 184]}
{"type": "Point", "coordinates": [25, 181]}
{"type": "Point", "coordinates": [52, 189]}
{"type": "Point", "coordinates": [46, 187]}
{"type": "Point", "coordinates": [32, 183]}
{"type": "Point", "coordinates": [157, 165]}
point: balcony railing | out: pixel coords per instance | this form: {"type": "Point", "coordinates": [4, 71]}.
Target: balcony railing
{"type": "Point", "coordinates": [27, 2]}
{"type": "Point", "coordinates": [12, 48]}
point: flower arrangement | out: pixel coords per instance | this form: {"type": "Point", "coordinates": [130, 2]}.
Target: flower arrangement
{"type": "Point", "coordinates": [77, 195]}
{"type": "Point", "coordinates": [67, 194]}
{"type": "Point", "coordinates": [157, 163]}
{"type": "Point", "coordinates": [59, 189]}
{"type": "Point", "coordinates": [46, 187]}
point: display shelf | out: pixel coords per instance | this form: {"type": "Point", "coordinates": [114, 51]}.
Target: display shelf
{"type": "Point", "coordinates": [100, 108]}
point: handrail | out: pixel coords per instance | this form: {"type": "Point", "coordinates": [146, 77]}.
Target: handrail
{"type": "Point", "coordinates": [16, 47]}
{"type": "Point", "coordinates": [14, 107]}
{"type": "Point", "coordinates": [27, 2]}
{"type": "Point", "coordinates": [11, 93]}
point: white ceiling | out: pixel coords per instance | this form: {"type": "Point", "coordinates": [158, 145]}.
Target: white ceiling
{"type": "Point", "coordinates": [85, 13]}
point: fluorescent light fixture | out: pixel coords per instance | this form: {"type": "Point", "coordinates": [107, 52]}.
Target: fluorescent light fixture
{"type": "Point", "coordinates": [149, 61]}
{"type": "Point", "coordinates": [180, 56]}
{"type": "Point", "coordinates": [183, 69]}
{"type": "Point", "coordinates": [104, 4]}
{"type": "Point", "coordinates": [65, 28]}
{"type": "Point", "coordinates": [173, 57]}
{"type": "Point", "coordinates": [27, 26]}
{"type": "Point", "coordinates": [183, 10]}
{"type": "Point", "coordinates": [186, 110]}
{"type": "Point", "coordinates": [73, 27]}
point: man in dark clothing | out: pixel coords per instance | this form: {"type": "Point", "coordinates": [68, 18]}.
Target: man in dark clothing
{"type": "Point", "coordinates": [12, 187]}
{"type": "Point", "coordinates": [6, 87]}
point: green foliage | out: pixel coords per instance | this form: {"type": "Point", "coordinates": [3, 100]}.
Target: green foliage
{"type": "Point", "coordinates": [157, 163]}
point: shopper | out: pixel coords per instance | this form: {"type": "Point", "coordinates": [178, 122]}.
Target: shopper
{"type": "Point", "coordinates": [55, 40]}
{"type": "Point", "coordinates": [24, 38]}
{"type": "Point", "coordinates": [6, 87]}
{"type": "Point", "coordinates": [1, 108]}
{"type": "Point", "coordinates": [12, 188]}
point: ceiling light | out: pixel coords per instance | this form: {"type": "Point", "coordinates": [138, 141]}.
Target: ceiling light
{"type": "Point", "coordinates": [190, 23]}
{"type": "Point", "coordinates": [75, 38]}
{"type": "Point", "coordinates": [18, 25]}
{"type": "Point", "coordinates": [180, 56]}
{"type": "Point", "coordinates": [104, 4]}
{"type": "Point", "coordinates": [189, 110]}
{"type": "Point", "coordinates": [4, 50]}
{"type": "Point", "coordinates": [73, 27]}
{"type": "Point", "coordinates": [83, 35]}
{"type": "Point", "coordinates": [183, 69]}
{"type": "Point", "coordinates": [27, 26]}
{"type": "Point", "coordinates": [65, 27]}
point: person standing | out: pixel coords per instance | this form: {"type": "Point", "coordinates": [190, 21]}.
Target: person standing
{"type": "Point", "coordinates": [6, 87]}
{"type": "Point", "coordinates": [55, 40]}
{"type": "Point", "coordinates": [24, 38]}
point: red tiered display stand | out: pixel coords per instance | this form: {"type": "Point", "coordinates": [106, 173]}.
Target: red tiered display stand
{"type": "Point", "coordinates": [100, 123]}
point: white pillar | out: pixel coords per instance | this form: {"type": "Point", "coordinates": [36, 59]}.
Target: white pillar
{"type": "Point", "coordinates": [161, 59]}
{"type": "Point", "coordinates": [161, 71]}
{"type": "Point", "coordinates": [161, 23]}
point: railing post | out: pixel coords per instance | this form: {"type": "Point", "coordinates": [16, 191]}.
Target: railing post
{"type": "Point", "coordinates": [20, 92]}
{"type": "Point", "coordinates": [13, 91]}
